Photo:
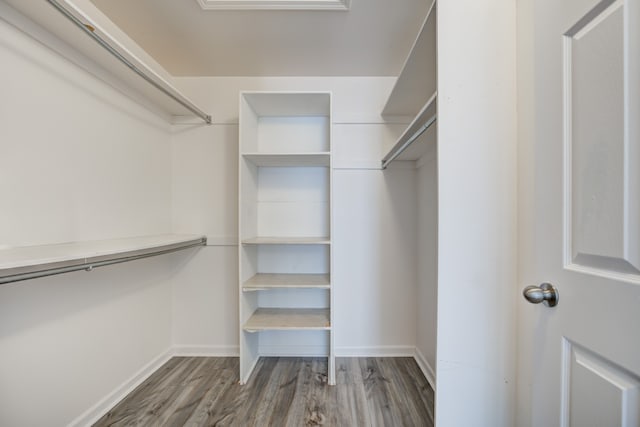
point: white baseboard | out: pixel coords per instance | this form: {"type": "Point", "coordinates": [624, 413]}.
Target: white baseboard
{"type": "Point", "coordinates": [206, 350]}
{"type": "Point", "coordinates": [98, 410]}
{"type": "Point", "coordinates": [376, 351]}
{"type": "Point", "coordinates": [426, 368]}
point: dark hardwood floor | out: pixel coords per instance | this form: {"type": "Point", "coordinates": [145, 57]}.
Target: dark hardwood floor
{"type": "Point", "coordinates": [204, 391]}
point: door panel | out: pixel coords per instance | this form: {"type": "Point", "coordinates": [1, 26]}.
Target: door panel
{"type": "Point", "coordinates": [579, 362]}
{"type": "Point", "coordinates": [596, 392]}
{"type": "Point", "coordinates": [600, 191]}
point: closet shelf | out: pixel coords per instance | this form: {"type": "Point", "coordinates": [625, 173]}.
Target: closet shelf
{"type": "Point", "coordinates": [417, 80]}
{"type": "Point", "coordinates": [84, 29]}
{"type": "Point", "coordinates": [287, 241]}
{"type": "Point", "coordinates": [414, 141]}
{"type": "Point", "coordinates": [264, 281]}
{"type": "Point", "coordinates": [288, 159]}
{"type": "Point", "coordinates": [288, 319]}
{"type": "Point", "coordinates": [30, 262]}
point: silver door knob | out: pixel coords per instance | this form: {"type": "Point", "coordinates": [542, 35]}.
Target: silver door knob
{"type": "Point", "coordinates": [545, 293]}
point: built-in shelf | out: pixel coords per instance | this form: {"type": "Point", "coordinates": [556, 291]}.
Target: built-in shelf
{"type": "Point", "coordinates": [285, 187]}
{"type": "Point", "coordinates": [288, 159]}
{"type": "Point", "coordinates": [287, 241]}
{"type": "Point", "coordinates": [288, 319]}
{"type": "Point", "coordinates": [79, 31]}
{"type": "Point", "coordinates": [28, 262]}
{"type": "Point", "coordinates": [417, 80]}
{"type": "Point", "coordinates": [265, 281]}
{"type": "Point", "coordinates": [413, 142]}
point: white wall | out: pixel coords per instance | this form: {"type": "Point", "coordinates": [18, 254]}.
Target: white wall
{"type": "Point", "coordinates": [78, 161]}
{"type": "Point", "coordinates": [375, 215]}
{"type": "Point", "coordinates": [477, 179]}
{"type": "Point", "coordinates": [427, 296]}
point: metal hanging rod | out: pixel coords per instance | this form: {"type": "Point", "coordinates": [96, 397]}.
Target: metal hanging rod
{"type": "Point", "coordinates": [89, 265]}
{"type": "Point", "coordinates": [88, 30]}
{"type": "Point", "coordinates": [431, 120]}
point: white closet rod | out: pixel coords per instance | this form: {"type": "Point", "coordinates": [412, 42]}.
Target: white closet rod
{"type": "Point", "coordinates": [88, 264]}
{"type": "Point", "coordinates": [392, 156]}
{"type": "Point", "coordinates": [83, 26]}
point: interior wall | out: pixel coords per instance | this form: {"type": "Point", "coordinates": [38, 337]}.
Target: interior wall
{"type": "Point", "coordinates": [427, 293]}
{"type": "Point", "coordinates": [477, 244]}
{"type": "Point", "coordinates": [375, 217]}
{"type": "Point", "coordinates": [79, 161]}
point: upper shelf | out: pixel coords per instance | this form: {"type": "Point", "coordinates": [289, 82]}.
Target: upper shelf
{"type": "Point", "coordinates": [28, 262]}
{"type": "Point", "coordinates": [417, 80]}
{"type": "Point", "coordinates": [82, 28]}
{"type": "Point", "coordinates": [414, 141]}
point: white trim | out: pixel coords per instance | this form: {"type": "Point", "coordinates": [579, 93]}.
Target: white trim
{"type": "Point", "coordinates": [274, 4]}
{"type": "Point", "coordinates": [376, 351]}
{"type": "Point", "coordinates": [426, 368]}
{"type": "Point", "coordinates": [565, 393]}
{"type": "Point", "coordinates": [567, 195]}
{"type": "Point", "coordinates": [606, 274]}
{"type": "Point", "coordinates": [206, 351]}
{"type": "Point", "coordinates": [97, 411]}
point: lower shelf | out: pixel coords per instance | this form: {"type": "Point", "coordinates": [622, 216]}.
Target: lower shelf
{"type": "Point", "coordinates": [288, 319]}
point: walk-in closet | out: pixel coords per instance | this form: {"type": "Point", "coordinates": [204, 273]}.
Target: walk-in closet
{"type": "Point", "coordinates": [199, 229]}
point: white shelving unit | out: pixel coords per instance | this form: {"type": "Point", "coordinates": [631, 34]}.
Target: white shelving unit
{"type": "Point", "coordinates": [285, 227]}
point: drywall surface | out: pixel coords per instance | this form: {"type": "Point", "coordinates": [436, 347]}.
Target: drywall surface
{"type": "Point", "coordinates": [79, 161]}
{"type": "Point", "coordinates": [477, 178]}
{"type": "Point", "coordinates": [427, 293]}
{"type": "Point", "coordinates": [374, 213]}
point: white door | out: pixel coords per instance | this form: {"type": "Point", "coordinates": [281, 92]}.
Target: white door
{"type": "Point", "coordinates": [579, 210]}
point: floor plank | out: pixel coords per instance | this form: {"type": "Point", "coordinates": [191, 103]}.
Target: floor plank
{"type": "Point", "coordinates": [199, 391]}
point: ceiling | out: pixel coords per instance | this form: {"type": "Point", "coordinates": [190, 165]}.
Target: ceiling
{"type": "Point", "coordinates": [373, 38]}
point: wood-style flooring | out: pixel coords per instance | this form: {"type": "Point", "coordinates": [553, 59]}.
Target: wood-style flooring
{"type": "Point", "coordinates": [204, 391]}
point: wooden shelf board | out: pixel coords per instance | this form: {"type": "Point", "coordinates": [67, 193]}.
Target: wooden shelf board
{"type": "Point", "coordinates": [264, 281]}
{"type": "Point", "coordinates": [287, 241]}
{"type": "Point", "coordinates": [26, 259]}
{"type": "Point", "coordinates": [288, 159]}
{"type": "Point", "coordinates": [417, 80]}
{"type": "Point", "coordinates": [288, 319]}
